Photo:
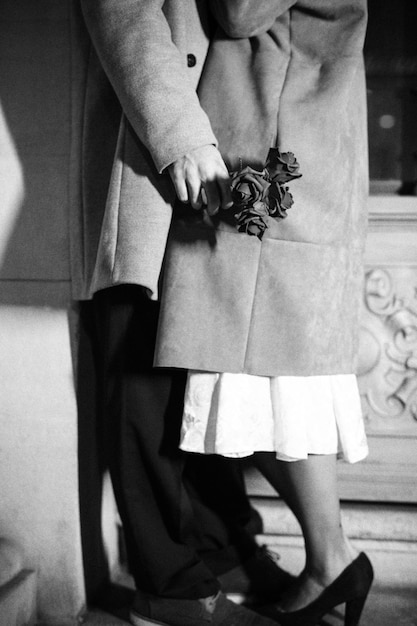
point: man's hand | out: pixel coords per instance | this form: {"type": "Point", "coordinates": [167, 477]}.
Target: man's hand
{"type": "Point", "coordinates": [201, 178]}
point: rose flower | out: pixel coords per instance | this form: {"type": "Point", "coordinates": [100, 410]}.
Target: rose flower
{"type": "Point", "coordinates": [248, 187]}
{"type": "Point", "coordinates": [279, 200]}
{"type": "Point", "coordinates": [282, 166]}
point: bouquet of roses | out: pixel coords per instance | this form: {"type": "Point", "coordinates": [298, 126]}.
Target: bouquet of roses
{"type": "Point", "coordinates": [257, 195]}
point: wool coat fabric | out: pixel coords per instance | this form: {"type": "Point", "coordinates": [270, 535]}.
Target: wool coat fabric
{"type": "Point", "coordinates": [289, 73]}
{"type": "Point", "coordinates": [135, 111]}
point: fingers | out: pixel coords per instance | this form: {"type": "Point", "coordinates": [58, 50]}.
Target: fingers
{"type": "Point", "coordinates": [187, 187]}
{"type": "Point", "coordinates": [193, 185]}
{"type": "Point", "coordinates": [213, 197]}
{"type": "Point", "coordinates": [179, 183]}
{"type": "Point", "coordinates": [225, 192]}
{"type": "Point", "coordinates": [201, 178]}
{"type": "Point", "coordinates": [203, 196]}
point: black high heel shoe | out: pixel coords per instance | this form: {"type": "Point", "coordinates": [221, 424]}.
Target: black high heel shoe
{"type": "Point", "coordinates": [350, 588]}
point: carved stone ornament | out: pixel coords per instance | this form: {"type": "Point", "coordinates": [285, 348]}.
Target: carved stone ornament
{"type": "Point", "coordinates": [387, 372]}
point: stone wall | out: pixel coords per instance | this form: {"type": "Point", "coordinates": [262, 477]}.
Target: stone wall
{"type": "Point", "coordinates": [38, 416]}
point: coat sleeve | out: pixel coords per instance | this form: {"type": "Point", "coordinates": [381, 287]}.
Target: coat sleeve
{"type": "Point", "coordinates": [134, 43]}
{"type": "Point", "coordinates": [247, 18]}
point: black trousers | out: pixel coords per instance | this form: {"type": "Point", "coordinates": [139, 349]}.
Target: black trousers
{"type": "Point", "coordinates": [176, 509]}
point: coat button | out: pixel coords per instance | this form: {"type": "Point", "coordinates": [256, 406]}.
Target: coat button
{"type": "Point", "coordinates": [191, 60]}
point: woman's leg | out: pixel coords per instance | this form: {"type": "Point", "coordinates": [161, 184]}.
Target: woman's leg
{"type": "Point", "coordinates": [309, 487]}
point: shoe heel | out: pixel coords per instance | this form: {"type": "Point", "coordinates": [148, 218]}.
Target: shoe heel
{"type": "Point", "coordinates": [353, 610]}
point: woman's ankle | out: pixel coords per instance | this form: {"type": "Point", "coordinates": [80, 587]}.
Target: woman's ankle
{"type": "Point", "coordinates": [329, 564]}
{"type": "Point", "coordinates": [304, 591]}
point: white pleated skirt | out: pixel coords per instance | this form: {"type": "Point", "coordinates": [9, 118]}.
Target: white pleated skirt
{"type": "Point", "coordinates": [235, 415]}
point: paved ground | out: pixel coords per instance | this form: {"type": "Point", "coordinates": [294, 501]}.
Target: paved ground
{"type": "Point", "coordinates": [385, 607]}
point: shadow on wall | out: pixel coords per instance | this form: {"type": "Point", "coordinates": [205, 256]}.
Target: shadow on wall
{"type": "Point", "coordinates": [35, 142]}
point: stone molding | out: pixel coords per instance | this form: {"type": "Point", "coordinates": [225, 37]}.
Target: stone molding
{"type": "Point", "coordinates": [388, 350]}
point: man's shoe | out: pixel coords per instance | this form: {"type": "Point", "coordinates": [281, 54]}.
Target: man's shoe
{"type": "Point", "coordinates": [213, 611]}
{"type": "Point", "coordinates": [259, 579]}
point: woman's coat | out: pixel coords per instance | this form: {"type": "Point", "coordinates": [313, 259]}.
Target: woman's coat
{"type": "Point", "coordinates": [288, 305]}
